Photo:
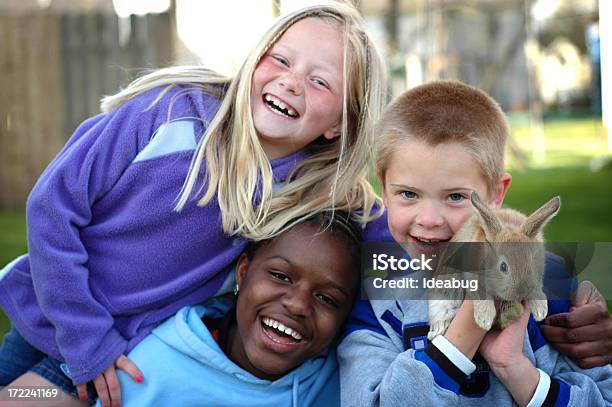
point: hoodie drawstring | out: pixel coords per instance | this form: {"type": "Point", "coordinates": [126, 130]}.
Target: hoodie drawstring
{"type": "Point", "coordinates": [295, 390]}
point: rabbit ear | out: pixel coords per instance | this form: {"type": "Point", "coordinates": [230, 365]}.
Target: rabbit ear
{"type": "Point", "coordinates": [536, 221]}
{"type": "Point", "coordinates": [491, 224]}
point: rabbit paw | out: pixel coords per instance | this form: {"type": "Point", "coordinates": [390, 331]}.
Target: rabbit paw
{"type": "Point", "coordinates": [539, 308]}
{"type": "Point", "coordinates": [484, 313]}
{"type": "Point", "coordinates": [441, 313]}
{"type": "Point", "coordinates": [438, 328]}
{"type": "Point", "coordinates": [509, 314]}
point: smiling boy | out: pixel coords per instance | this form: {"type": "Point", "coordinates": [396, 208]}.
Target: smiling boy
{"type": "Point", "coordinates": [438, 143]}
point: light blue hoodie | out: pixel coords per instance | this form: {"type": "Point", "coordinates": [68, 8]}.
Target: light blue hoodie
{"type": "Point", "coordinates": [183, 366]}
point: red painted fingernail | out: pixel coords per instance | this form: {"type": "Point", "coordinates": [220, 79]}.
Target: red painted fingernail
{"type": "Point", "coordinates": [572, 309]}
{"type": "Point", "coordinates": [139, 379]}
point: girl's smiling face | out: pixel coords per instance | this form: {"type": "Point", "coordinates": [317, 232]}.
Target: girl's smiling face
{"type": "Point", "coordinates": [295, 294]}
{"type": "Point", "coordinates": [296, 93]}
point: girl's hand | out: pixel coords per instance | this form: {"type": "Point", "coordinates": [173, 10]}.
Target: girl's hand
{"type": "Point", "coordinates": [585, 333]}
{"type": "Point", "coordinates": [503, 350]}
{"type": "Point", "coordinates": [107, 384]}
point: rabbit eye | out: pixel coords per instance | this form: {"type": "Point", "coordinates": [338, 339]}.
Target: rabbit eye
{"type": "Point", "coordinates": [503, 267]}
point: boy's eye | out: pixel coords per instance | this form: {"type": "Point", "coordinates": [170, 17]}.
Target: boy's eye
{"type": "Point", "coordinates": [280, 276]}
{"type": "Point", "coordinates": [408, 195]}
{"type": "Point", "coordinates": [456, 197]}
{"type": "Point", "coordinates": [327, 300]}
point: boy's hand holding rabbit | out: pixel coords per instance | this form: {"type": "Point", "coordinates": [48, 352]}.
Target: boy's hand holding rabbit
{"type": "Point", "coordinates": [463, 332]}
{"type": "Point", "coordinates": [503, 351]}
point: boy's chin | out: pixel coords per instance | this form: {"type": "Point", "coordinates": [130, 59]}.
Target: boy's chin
{"type": "Point", "coordinates": [415, 248]}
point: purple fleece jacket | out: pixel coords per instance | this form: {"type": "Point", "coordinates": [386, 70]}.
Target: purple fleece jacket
{"type": "Point", "coordinates": [108, 257]}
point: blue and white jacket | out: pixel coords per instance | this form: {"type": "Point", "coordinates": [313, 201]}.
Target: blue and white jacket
{"type": "Point", "coordinates": [386, 360]}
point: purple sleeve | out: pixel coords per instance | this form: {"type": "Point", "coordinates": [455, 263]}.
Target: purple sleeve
{"type": "Point", "coordinates": [58, 208]}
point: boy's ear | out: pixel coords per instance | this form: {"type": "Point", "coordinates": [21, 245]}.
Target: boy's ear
{"type": "Point", "coordinates": [333, 132]}
{"type": "Point", "coordinates": [498, 196]}
{"type": "Point", "coordinates": [241, 268]}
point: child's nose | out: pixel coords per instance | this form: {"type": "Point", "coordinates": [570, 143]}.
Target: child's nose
{"type": "Point", "coordinates": [292, 82]}
{"type": "Point", "coordinates": [429, 216]}
{"type": "Point", "coordinates": [298, 302]}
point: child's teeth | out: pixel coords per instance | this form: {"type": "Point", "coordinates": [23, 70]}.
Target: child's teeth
{"type": "Point", "coordinates": [280, 105]}
{"type": "Point", "coordinates": [277, 325]}
{"type": "Point", "coordinates": [289, 331]}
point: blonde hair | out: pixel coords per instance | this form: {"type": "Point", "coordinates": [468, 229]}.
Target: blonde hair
{"type": "Point", "coordinates": [238, 172]}
{"type": "Point", "coordinates": [444, 112]}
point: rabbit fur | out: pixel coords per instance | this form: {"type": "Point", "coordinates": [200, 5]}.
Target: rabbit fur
{"type": "Point", "coordinates": [513, 272]}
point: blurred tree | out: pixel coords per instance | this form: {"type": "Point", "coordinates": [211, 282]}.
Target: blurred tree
{"type": "Point", "coordinates": [495, 67]}
{"type": "Point", "coordinates": [568, 20]}
{"type": "Point", "coordinates": [391, 17]}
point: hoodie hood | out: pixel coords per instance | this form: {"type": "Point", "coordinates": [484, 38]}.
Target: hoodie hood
{"type": "Point", "coordinates": [186, 337]}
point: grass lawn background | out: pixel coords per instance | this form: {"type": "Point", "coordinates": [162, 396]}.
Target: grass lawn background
{"type": "Point", "coordinates": [570, 147]}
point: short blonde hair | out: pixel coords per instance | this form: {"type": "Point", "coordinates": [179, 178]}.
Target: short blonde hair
{"type": "Point", "coordinates": [332, 177]}
{"type": "Point", "coordinates": [444, 112]}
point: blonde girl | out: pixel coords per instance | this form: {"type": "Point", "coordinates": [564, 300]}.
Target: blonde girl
{"type": "Point", "coordinates": [287, 137]}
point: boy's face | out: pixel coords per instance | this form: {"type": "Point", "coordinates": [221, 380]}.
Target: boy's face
{"type": "Point", "coordinates": [427, 191]}
{"type": "Point", "coordinates": [303, 283]}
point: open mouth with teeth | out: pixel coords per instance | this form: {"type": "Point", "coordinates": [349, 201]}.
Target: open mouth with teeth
{"type": "Point", "coordinates": [280, 333]}
{"type": "Point", "coordinates": [429, 247]}
{"type": "Point", "coordinates": [277, 105]}
{"type": "Point", "coordinates": [428, 241]}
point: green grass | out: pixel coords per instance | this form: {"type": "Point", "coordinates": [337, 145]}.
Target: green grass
{"type": "Point", "coordinates": [570, 146]}
{"type": "Point", "coordinates": [586, 200]}
{"type": "Point", "coordinates": [12, 236]}
{"type": "Point", "coordinates": [566, 143]}
{"type": "Point", "coordinates": [12, 244]}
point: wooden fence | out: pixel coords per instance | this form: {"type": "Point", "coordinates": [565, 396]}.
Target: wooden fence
{"type": "Point", "coordinates": [53, 71]}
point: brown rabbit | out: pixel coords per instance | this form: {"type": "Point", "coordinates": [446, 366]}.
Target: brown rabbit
{"type": "Point", "coordinates": [514, 268]}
